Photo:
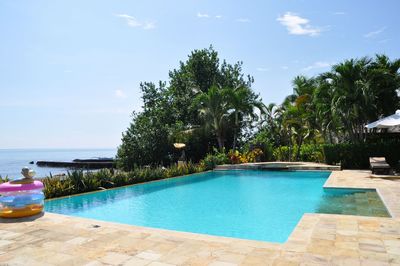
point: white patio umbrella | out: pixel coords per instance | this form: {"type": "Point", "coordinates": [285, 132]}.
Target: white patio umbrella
{"type": "Point", "coordinates": [386, 122]}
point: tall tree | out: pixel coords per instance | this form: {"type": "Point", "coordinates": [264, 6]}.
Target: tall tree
{"type": "Point", "coordinates": [243, 102]}
{"type": "Point", "coordinates": [384, 81]}
{"type": "Point", "coordinates": [352, 100]}
{"type": "Point", "coordinates": [213, 107]}
{"type": "Point", "coordinates": [146, 139]}
{"type": "Point", "coordinates": [169, 108]}
{"type": "Point", "coordinates": [337, 104]}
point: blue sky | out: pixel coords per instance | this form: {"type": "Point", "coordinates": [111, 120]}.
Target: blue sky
{"type": "Point", "coordinates": [70, 70]}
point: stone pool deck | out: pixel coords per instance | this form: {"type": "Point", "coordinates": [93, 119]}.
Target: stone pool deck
{"type": "Point", "coordinates": [318, 239]}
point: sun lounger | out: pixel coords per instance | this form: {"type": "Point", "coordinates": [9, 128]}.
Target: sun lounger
{"type": "Point", "coordinates": [379, 166]}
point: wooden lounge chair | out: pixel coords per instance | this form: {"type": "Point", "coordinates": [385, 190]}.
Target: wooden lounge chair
{"type": "Point", "coordinates": [379, 166]}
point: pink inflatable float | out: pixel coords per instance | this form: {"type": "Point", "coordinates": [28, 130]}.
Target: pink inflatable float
{"type": "Point", "coordinates": [21, 198]}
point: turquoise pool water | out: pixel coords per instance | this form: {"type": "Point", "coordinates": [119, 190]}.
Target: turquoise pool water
{"type": "Point", "coordinates": [258, 205]}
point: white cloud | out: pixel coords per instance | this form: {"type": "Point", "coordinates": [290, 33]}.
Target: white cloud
{"type": "Point", "coordinates": [319, 64]}
{"type": "Point", "coordinates": [67, 71]}
{"type": "Point", "coordinates": [262, 69]}
{"type": "Point", "coordinates": [200, 15]}
{"type": "Point", "coordinates": [218, 16]}
{"type": "Point", "coordinates": [149, 25]}
{"type": "Point", "coordinates": [285, 67]}
{"type": "Point", "coordinates": [131, 21]}
{"type": "Point", "coordinates": [135, 23]}
{"type": "Point", "coordinates": [243, 20]}
{"type": "Point", "coordinates": [384, 40]}
{"type": "Point", "coordinates": [297, 25]}
{"type": "Point", "coordinates": [120, 94]}
{"type": "Point", "coordinates": [339, 13]}
{"type": "Point", "coordinates": [373, 34]}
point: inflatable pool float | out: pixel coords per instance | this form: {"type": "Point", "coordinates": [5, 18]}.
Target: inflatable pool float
{"type": "Point", "coordinates": [21, 198]}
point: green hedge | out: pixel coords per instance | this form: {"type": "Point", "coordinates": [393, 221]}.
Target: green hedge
{"type": "Point", "coordinates": [356, 155]}
{"type": "Point", "coordinates": [78, 181]}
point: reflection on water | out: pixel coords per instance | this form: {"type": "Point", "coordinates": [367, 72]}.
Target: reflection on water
{"type": "Point", "coordinates": [352, 202]}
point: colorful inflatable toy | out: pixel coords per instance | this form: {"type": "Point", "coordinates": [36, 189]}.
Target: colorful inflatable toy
{"type": "Point", "coordinates": [21, 198]}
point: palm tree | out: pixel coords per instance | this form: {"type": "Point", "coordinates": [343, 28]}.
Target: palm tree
{"type": "Point", "coordinates": [299, 118]}
{"type": "Point", "coordinates": [213, 107]}
{"type": "Point", "coordinates": [326, 120]}
{"type": "Point", "coordinates": [352, 99]}
{"type": "Point", "coordinates": [384, 81]}
{"type": "Point", "coordinates": [243, 102]}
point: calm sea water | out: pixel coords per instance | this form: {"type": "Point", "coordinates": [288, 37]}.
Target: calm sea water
{"type": "Point", "coordinates": [12, 160]}
{"type": "Point", "coordinates": [259, 205]}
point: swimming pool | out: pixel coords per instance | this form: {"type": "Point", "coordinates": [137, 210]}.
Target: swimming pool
{"type": "Point", "coordinates": [257, 205]}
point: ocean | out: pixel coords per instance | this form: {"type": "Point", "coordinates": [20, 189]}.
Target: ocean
{"type": "Point", "coordinates": [12, 160]}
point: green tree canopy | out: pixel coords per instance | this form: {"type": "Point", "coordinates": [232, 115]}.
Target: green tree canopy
{"type": "Point", "coordinates": [186, 103]}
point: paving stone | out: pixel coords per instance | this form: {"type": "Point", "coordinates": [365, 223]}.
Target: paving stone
{"type": "Point", "coordinates": [222, 263]}
{"type": "Point", "coordinates": [157, 263]}
{"type": "Point", "coordinates": [136, 262]}
{"type": "Point", "coordinates": [148, 255]}
{"type": "Point", "coordinates": [115, 258]}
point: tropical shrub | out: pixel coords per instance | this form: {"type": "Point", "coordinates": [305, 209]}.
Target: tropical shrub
{"type": "Point", "coordinates": [285, 153]}
{"type": "Point", "coordinates": [3, 179]}
{"type": "Point", "coordinates": [245, 157]}
{"type": "Point", "coordinates": [236, 157]}
{"type": "Point", "coordinates": [311, 153]}
{"type": "Point", "coordinates": [254, 155]}
{"type": "Point", "coordinates": [79, 182]}
{"type": "Point", "coordinates": [307, 153]}
{"type": "Point", "coordinates": [212, 160]}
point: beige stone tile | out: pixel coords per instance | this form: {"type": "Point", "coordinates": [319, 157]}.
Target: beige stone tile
{"type": "Point", "coordinates": [285, 262]}
{"type": "Point", "coordinates": [180, 259]}
{"type": "Point", "coordinates": [345, 261]}
{"type": "Point", "coordinates": [136, 262]}
{"type": "Point", "coordinates": [148, 255]}
{"type": "Point", "coordinates": [347, 245]}
{"type": "Point", "coordinates": [341, 252]}
{"type": "Point", "coordinates": [372, 247]}
{"type": "Point", "coordinates": [78, 240]}
{"type": "Point", "coordinates": [370, 262]}
{"type": "Point", "coordinates": [256, 260]}
{"type": "Point", "coordinates": [114, 258]}
{"type": "Point", "coordinates": [371, 255]}
{"type": "Point", "coordinates": [157, 263]}
{"type": "Point", "coordinates": [94, 263]}
{"type": "Point", "coordinates": [197, 261]}
{"type": "Point", "coordinates": [5, 242]}
{"type": "Point", "coordinates": [228, 256]}
{"type": "Point", "coordinates": [7, 235]}
{"type": "Point", "coordinates": [222, 263]}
